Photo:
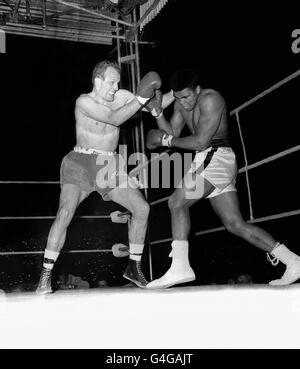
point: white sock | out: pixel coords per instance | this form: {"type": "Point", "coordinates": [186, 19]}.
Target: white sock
{"type": "Point", "coordinates": [136, 251]}
{"type": "Point", "coordinates": [282, 253]}
{"type": "Point", "coordinates": [180, 254]}
{"type": "Point", "coordinates": [50, 258]}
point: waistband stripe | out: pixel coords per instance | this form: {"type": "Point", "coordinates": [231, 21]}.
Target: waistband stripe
{"type": "Point", "coordinates": [219, 143]}
{"type": "Point", "coordinates": [82, 150]}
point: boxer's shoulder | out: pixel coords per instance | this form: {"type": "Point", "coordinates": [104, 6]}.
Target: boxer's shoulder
{"type": "Point", "coordinates": [84, 100]}
{"type": "Point", "coordinates": [210, 98]}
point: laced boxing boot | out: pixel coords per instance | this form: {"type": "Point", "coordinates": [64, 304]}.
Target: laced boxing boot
{"type": "Point", "coordinates": [44, 286]}
{"type": "Point", "coordinates": [292, 262]}
{"type": "Point", "coordinates": [134, 273]}
{"type": "Point", "coordinates": [172, 278]}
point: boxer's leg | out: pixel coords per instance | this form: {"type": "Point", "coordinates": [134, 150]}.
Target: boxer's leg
{"type": "Point", "coordinates": [226, 207]}
{"type": "Point", "coordinates": [70, 198]}
{"type": "Point", "coordinates": [192, 189]}
{"type": "Point", "coordinates": [133, 200]}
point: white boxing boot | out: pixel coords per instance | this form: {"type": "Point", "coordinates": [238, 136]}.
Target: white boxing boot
{"type": "Point", "coordinates": [180, 270]}
{"type": "Point", "coordinates": [292, 262]}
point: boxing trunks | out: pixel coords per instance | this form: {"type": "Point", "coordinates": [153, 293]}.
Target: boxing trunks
{"type": "Point", "coordinates": [93, 170]}
{"type": "Point", "coordinates": [217, 164]}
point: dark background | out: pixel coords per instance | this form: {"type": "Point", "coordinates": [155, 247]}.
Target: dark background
{"type": "Point", "coordinates": [240, 49]}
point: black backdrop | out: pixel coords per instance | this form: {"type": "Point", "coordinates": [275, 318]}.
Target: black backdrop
{"type": "Point", "coordinates": [240, 50]}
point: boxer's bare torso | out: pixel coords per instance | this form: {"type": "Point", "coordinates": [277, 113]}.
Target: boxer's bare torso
{"type": "Point", "coordinates": [194, 119]}
{"type": "Point", "coordinates": [93, 134]}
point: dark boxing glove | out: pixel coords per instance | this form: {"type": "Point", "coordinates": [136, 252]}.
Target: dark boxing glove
{"type": "Point", "coordinates": [157, 138]}
{"type": "Point", "coordinates": [147, 87]}
{"type": "Point", "coordinates": [154, 106]}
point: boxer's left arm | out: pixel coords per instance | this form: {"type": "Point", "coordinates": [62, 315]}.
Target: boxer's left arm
{"type": "Point", "coordinates": [211, 109]}
{"type": "Point", "coordinates": [167, 100]}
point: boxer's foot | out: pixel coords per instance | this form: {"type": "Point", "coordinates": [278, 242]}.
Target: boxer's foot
{"type": "Point", "coordinates": [291, 275]}
{"type": "Point", "coordinates": [44, 286]}
{"type": "Point", "coordinates": [172, 278]}
{"type": "Point", "coordinates": [134, 273]}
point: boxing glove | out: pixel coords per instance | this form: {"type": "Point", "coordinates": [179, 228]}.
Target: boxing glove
{"type": "Point", "coordinates": [157, 138]}
{"type": "Point", "coordinates": [146, 88]}
{"type": "Point", "coordinates": [154, 106]}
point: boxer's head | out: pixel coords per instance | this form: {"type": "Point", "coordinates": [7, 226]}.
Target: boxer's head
{"type": "Point", "coordinates": [185, 85]}
{"type": "Point", "coordinates": [106, 78]}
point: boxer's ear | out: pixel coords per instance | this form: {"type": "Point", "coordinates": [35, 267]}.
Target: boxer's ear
{"type": "Point", "coordinates": [98, 81]}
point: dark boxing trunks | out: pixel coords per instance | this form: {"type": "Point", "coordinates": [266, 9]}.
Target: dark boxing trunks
{"type": "Point", "coordinates": [93, 172]}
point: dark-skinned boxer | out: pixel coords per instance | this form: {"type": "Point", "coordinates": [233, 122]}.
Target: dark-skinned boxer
{"type": "Point", "coordinates": [212, 176]}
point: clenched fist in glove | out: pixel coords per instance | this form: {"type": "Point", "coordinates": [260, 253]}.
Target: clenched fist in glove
{"type": "Point", "coordinates": [146, 88]}
{"type": "Point", "coordinates": [154, 106]}
{"type": "Point", "coordinates": [157, 138]}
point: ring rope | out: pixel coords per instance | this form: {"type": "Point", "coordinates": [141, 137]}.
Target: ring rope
{"type": "Point", "coordinates": [8, 253]}
{"type": "Point", "coordinates": [218, 229]}
{"type": "Point", "coordinates": [53, 217]}
{"type": "Point", "coordinates": [127, 212]}
{"type": "Point", "coordinates": [136, 170]}
{"type": "Point", "coordinates": [250, 166]}
{"type": "Point", "coordinates": [160, 201]}
{"type": "Point", "coordinates": [30, 182]}
{"type": "Point", "coordinates": [271, 158]}
{"type": "Point", "coordinates": [266, 92]}
{"type": "Point", "coordinates": [246, 166]}
{"type": "Point", "coordinates": [242, 170]}
{"type": "Point", "coordinates": [258, 220]}
{"type": "Point", "coordinates": [132, 173]}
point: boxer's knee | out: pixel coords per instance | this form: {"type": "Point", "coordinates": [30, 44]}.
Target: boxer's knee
{"type": "Point", "coordinates": [234, 225]}
{"type": "Point", "coordinates": [141, 211]}
{"type": "Point", "coordinates": [175, 203]}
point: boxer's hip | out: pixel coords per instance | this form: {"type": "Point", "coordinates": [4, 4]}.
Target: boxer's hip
{"type": "Point", "coordinates": [217, 164]}
{"type": "Point", "coordinates": [93, 170]}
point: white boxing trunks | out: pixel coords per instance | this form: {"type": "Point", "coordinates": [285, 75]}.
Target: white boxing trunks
{"type": "Point", "coordinates": [217, 164]}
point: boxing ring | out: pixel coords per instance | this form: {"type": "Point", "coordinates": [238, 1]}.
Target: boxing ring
{"type": "Point", "coordinates": [271, 309]}
{"type": "Point", "coordinates": [245, 170]}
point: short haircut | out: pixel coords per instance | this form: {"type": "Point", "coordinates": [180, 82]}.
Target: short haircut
{"type": "Point", "coordinates": [101, 68]}
{"type": "Point", "coordinates": [184, 78]}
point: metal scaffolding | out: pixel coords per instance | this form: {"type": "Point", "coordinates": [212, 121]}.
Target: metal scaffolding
{"type": "Point", "coordinates": [87, 21]}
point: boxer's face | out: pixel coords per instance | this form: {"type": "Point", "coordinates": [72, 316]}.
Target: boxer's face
{"type": "Point", "coordinates": [109, 84]}
{"type": "Point", "coordinates": [187, 98]}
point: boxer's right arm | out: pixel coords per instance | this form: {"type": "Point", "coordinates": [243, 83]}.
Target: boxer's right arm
{"type": "Point", "coordinates": [168, 98]}
{"type": "Point", "coordinates": [176, 124]}
{"type": "Point", "coordinates": [104, 114]}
